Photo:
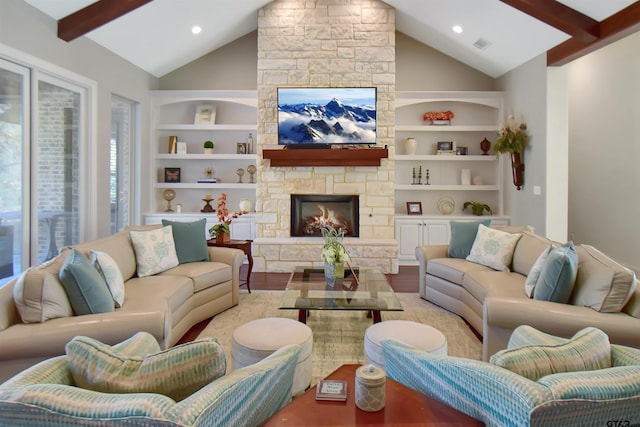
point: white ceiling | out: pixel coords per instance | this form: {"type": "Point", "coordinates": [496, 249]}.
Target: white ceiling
{"type": "Point", "coordinates": [157, 36]}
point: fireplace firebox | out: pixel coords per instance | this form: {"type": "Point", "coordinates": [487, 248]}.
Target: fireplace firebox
{"type": "Point", "coordinates": [310, 212]}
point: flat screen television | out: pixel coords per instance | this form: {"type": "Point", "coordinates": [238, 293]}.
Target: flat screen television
{"type": "Point", "coordinates": [326, 116]}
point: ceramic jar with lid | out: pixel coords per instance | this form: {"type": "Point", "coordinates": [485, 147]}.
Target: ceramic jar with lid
{"type": "Point", "coordinates": [370, 388]}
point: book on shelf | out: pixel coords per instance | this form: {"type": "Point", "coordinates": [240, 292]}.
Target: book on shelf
{"type": "Point", "coordinates": [331, 390]}
{"type": "Point", "coordinates": [207, 180]}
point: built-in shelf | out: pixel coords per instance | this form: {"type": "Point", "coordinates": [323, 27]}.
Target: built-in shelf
{"type": "Point", "coordinates": [319, 157]}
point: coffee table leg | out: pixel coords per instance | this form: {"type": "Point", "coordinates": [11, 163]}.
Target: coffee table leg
{"type": "Point", "coordinates": [376, 316]}
{"type": "Point", "coordinates": [302, 316]}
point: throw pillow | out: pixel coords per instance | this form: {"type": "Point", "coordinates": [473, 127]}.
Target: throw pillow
{"type": "Point", "coordinates": [601, 283]}
{"type": "Point", "coordinates": [109, 269]}
{"type": "Point", "coordinates": [493, 248]}
{"type": "Point", "coordinates": [558, 275]}
{"type": "Point", "coordinates": [40, 297]}
{"type": "Point", "coordinates": [463, 233]}
{"type": "Point", "coordinates": [87, 291]}
{"type": "Point", "coordinates": [177, 372]}
{"type": "Point", "coordinates": [190, 240]}
{"type": "Point", "coordinates": [155, 250]}
{"type": "Point", "coordinates": [534, 273]}
{"type": "Point", "coordinates": [589, 349]}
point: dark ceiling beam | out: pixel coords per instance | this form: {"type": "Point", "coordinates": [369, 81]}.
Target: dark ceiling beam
{"type": "Point", "coordinates": [612, 29]}
{"type": "Point", "coordinates": [559, 16]}
{"type": "Point", "coordinates": [95, 15]}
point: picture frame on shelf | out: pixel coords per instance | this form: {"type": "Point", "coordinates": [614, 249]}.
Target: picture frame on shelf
{"type": "Point", "coordinates": [461, 151]}
{"type": "Point", "coordinates": [171, 174]}
{"type": "Point", "coordinates": [414, 208]}
{"type": "Point", "coordinates": [241, 148]}
{"type": "Point", "coordinates": [445, 145]}
{"type": "Point", "coordinates": [205, 114]}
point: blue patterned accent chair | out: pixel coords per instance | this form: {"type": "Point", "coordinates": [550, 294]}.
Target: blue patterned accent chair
{"type": "Point", "coordinates": [46, 394]}
{"type": "Point", "coordinates": [581, 381]}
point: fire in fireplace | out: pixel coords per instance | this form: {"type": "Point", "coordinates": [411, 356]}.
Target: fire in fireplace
{"type": "Point", "coordinates": [311, 212]}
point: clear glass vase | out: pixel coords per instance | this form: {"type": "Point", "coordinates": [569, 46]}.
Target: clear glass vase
{"type": "Point", "coordinates": [333, 273]}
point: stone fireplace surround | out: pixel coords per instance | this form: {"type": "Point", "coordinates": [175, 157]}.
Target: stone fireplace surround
{"type": "Point", "coordinates": [313, 43]}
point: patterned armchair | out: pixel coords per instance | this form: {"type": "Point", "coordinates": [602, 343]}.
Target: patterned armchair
{"type": "Point", "coordinates": [559, 396]}
{"type": "Point", "coordinates": [46, 394]}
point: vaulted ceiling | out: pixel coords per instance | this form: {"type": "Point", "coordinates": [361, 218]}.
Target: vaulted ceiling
{"type": "Point", "coordinates": [497, 36]}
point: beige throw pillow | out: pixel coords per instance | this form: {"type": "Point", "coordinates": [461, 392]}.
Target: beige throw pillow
{"type": "Point", "coordinates": [155, 250]}
{"type": "Point", "coordinates": [39, 295]}
{"type": "Point", "coordinates": [602, 283]}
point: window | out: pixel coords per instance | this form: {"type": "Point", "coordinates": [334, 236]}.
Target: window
{"type": "Point", "coordinates": [47, 145]}
{"type": "Point", "coordinates": [123, 120]}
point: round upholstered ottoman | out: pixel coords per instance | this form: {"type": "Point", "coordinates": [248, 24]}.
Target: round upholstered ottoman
{"type": "Point", "coordinates": [415, 334]}
{"type": "Point", "coordinates": [257, 339]}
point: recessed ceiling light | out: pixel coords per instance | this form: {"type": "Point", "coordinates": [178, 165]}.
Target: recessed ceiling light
{"type": "Point", "coordinates": [196, 29]}
{"type": "Point", "coordinates": [457, 29]}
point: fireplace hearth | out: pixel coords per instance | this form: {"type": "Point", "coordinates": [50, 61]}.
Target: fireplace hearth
{"type": "Point", "coordinates": [311, 212]}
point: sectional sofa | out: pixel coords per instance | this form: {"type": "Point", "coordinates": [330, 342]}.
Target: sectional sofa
{"type": "Point", "coordinates": [494, 303]}
{"type": "Point", "coordinates": [165, 304]}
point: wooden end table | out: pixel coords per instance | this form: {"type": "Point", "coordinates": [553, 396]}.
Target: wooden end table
{"type": "Point", "coordinates": [244, 246]}
{"type": "Point", "coordinates": [403, 406]}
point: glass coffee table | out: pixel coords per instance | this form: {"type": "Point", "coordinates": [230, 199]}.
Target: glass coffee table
{"type": "Point", "coordinates": [364, 288]}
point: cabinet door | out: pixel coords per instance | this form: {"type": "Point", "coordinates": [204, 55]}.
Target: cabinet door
{"type": "Point", "coordinates": [436, 233]}
{"type": "Point", "coordinates": [409, 236]}
{"type": "Point", "coordinates": [242, 230]}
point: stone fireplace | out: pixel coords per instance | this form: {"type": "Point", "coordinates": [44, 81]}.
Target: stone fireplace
{"type": "Point", "coordinates": [311, 212]}
{"type": "Point", "coordinates": [325, 43]}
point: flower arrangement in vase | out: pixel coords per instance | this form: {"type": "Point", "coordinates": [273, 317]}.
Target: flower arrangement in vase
{"type": "Point", "coordinates": [438, 117]}
{"type": "Point", "coordinates": [222, 231]}
{"type": "Point", "coordinates": [513, 139]}
{"type": "Point", "coordinates": [334, 254]}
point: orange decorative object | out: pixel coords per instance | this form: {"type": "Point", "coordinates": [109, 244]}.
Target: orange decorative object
{"type": "Point", "coordinates": [438, 115]}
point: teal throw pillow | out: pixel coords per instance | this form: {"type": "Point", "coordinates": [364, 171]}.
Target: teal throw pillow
{"type": "Point", "coordinates": [86, 288]}
{"type": "Point", "coordinates": [190, 240]}
{"type": "Point", "coordinates": [558, 275]}
{"type": "Point", "coordinates": [463, 234]}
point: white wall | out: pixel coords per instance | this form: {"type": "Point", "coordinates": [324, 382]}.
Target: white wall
{"type": "Point", "coordinates": [604, 148]}
{"type": "Point", "coordinates": [28, 30]}
{"type": "Point", "coordinates": [525, 97]}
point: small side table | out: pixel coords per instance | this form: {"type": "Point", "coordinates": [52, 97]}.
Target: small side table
{"type": "Point", "coordinates": [244, 246]}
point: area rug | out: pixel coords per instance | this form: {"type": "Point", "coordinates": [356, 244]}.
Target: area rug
{"type": "Point", "coordinates": [338, 337]}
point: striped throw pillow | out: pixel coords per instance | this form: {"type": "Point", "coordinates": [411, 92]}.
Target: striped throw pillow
{"type": "Point", "coordinates": [177, 372]}
{"type": "Point", "coordinates": [589, 349]}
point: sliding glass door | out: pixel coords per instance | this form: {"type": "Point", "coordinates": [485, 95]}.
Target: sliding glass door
{"type": "Point", "coordinates": [14, 137]}
{"type": "Point", "coordinates": [56, 167]}
{"type": "Point", "coordinates": [42, 166]}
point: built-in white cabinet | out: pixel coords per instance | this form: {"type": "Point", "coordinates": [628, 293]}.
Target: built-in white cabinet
{"type": "Point", "coordinates": [242, 228]}
{"type": "Point", "coordinates": [413, 231]}
{"type": "Point", "coordinates": [458, 178]}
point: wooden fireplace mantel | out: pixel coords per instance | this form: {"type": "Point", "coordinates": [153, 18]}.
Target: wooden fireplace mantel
{"type": "Point", "coordinates": [334, 157]}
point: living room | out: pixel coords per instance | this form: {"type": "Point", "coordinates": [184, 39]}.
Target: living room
{"type": "Point", "coordinates": [578, 169]}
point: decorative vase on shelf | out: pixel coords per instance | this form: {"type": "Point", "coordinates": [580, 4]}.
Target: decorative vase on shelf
{"type": "Point", "coordinates": [245, 205]}
{"type": "Point", "coordinates": [485, 145]}
{"type": "Point", "coordinates": [223, 237]}
{"type": "Point", "coordinates": [410, 146]}
{"type": "Point", "coordinates": [333, 273]}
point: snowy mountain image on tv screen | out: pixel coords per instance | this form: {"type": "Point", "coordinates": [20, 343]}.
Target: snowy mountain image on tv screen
{"type": "Point", "coordinates": [326, 116]}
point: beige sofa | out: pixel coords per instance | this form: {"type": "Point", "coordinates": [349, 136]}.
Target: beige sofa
{"type": "Point", "coordinates": [494, 302]}
{"type": "Point", "coordinates": [166, 305]}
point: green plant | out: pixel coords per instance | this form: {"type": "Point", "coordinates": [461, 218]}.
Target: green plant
{"type": "Point", "coordinates": [333, 251]}
{"type": "Point", "coordinates": [477, 208]}
{"type": "Point", "coordinates": [512, 138]}
{"type": "Point", "coordinates": [208, 144]}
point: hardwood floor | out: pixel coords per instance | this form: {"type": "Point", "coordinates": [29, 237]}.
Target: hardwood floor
{"type": "Point", "coordinates": [405, 281]}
